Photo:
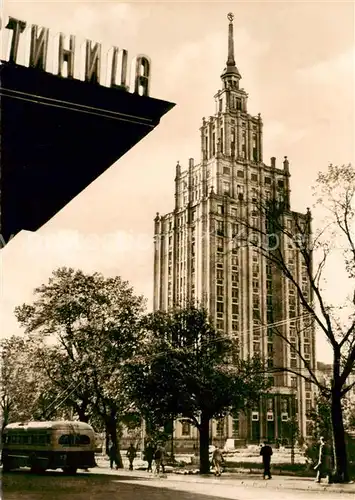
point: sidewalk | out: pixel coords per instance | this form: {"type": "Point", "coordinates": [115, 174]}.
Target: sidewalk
{"type": "Point", "coordinates": [240, 480]}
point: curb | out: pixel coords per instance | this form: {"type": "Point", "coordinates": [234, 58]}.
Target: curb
{"type": "Point", "coordinates": [250, 482]}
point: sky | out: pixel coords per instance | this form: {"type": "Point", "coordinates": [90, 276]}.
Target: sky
{"type": "Point", "coordinates": [297, 65]}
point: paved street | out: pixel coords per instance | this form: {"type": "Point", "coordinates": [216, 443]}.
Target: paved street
{"type": "Point", "coordinates": [104, 484]}
{"type": "Point", "coordinates": [233, 486]}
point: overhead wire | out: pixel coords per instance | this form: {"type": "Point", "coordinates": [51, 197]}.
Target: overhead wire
{"type": "Point", "coordinates": [203, 343]}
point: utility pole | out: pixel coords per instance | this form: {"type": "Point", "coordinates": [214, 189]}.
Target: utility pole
{"type": "Point", "coordinates": [293, 427]}
{"type": "Point", "coordinates": [172, 439]}
{"type": "Point", "coordinates": [143, 435]}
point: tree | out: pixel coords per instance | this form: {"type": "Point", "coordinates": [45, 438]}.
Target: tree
{"type": "Point", "coordinates": [188, 369]}
{"type": "Point", "coordinates": [281, 229]}
{"type": "Point", "coordinates": [21, 386]}
{"type": "Point", "coordinates": [95, 325]}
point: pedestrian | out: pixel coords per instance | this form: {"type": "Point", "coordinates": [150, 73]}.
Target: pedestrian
{"type": "Point", "coordinates": [159, 459]}
{"type": "Point", "coordinates": [149, 455]}
{"type": "Point", "coordinates": [131, 454]}
{"type": "Point", "coordinates": [324, 464]}
{"type": "Point", "coordinates": [217, 461]}
{"type": "Point", "coordinates": [266, 452]}
{"type": "Point", "coordinates": [112, 453]}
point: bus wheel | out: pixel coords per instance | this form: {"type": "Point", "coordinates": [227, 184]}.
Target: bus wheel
{"type": "Point", "coordinates": [70, 470]}
{"type": "Point", "coordinates": [37, 470]}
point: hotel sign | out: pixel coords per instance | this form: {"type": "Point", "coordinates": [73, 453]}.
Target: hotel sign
{"type": "Point", "coordinates": [68, 57]}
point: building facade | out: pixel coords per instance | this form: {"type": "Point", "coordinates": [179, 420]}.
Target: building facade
{"type": "Point", "coordinates": [200, 255]}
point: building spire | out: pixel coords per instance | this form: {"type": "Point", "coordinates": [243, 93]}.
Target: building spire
{"type": "Point", "coordinates": [230, 69]}
{"type": "Point", "coordinates": [230, 60]}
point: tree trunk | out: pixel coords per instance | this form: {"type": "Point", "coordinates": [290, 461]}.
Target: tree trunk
{"type": "Point", "coordinates": [82, 415]}
{"type": "Point", "coordinates": [204, 430]}
{"type": "Point", "coordinates": [340, 456]}
{"type": "Point", "coordinates": [111, 430]}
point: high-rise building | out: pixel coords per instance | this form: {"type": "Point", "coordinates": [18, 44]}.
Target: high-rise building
{"type": "Point", "coordinates": [201, 255]}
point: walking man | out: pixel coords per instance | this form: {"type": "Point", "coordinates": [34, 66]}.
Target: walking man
{"type": "Point", "coordinates": [324, 465]}
{"type": "Point", "coordinates": [112, 453]}
{"type": "Point", "coordinates": [149, 455]}
{"type": "Point", "coordinates": [131, 454]}
{"type": "Point", "coordinates": [266, 452]}
{"type": "Point", "coordinates": [159, 459]}
{"type": "Point", "coordinates": [217, 460]}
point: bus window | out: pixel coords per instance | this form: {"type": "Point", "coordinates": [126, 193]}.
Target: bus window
{"type": "Point", "coordinates": [82, 439]}
{"type": "Point", "coordinates": [65, 439]}
{"type": "Point", "coordinates": [42, 439]}
{"type": "Point", "coordinates": [13, 439]}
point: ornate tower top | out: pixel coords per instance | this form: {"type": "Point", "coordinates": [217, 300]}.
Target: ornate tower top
{"type": "Point", "coordinates": [231, 70]}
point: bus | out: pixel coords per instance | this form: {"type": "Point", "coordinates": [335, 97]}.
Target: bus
{"type": "Point", "coordinates": [48, 445]}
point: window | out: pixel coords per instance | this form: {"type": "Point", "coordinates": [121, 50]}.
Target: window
{"type": "Point", "coordinates": [294, 382]}
{"type": "Point", "coordinates": [82, 439]}
{"type": "Point", "coordinates": [240, 174]}
{"type": "Point", "coordinates": [220, 324]}
{"type": "Point", "coordinates": [235, 326]}
{"type": "Point", "coordinates": [308, 385]}
{"type": "Point", "coordinates": [219, 274]}
{"type": "Point", "coordinates": [280, 183]}
{"type": "Point", "coordinates": [267, 180]}
{"type": "Point", "coordinates": [244, 138]}
{"type": "Point", "coordinates": [220, 229]}
{"type": "Point", "coordinates": [307, 349]}
{"type": "Point", "coordinates": [226, 188]}
{"type": "Point", "coordinates": [254, 177]}
{"type": "Point", "coordinates": [220, 105]}
{"type": "Point", "coordinates": [185, 428]}
{"type": "Point", "coordinates": [256, 346]}
{"type": "Point", "coordinates": [65, 440]}
{"type": "Point", "coordinates": [234, 212]}
{"type": "Point", "coordinates": [234, 261]}
{"type": "Point", "coordinates": [236, 427]}
{"type": "Point", "coordinates": [220, 290]}
{"type": "Point", "coordinates": [255, 149]}
{"type": "Point", "coordinates": [234, 308]}
{"type": "Point", "coordinates": [235, 278]}
{"type": "Point", "coordinates": [220, 307]}
{"type": "Point", "coordinates": [220, 428]}
{"type": "Point", "coordinates": [226, 170]}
